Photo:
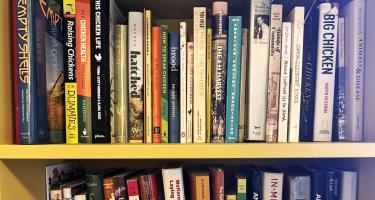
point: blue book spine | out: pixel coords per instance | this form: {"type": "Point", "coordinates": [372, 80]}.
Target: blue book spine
{"type": "Point", "coordinates": [256, 187]}
{"type": "Point", "coordinates": [333, 179]}
{"type": "Point", "coordinates": [174, 88]}
{"type": "Point", "coordinates": [318, 185]}
{"type": "Point", "coordinates": [233, 78]}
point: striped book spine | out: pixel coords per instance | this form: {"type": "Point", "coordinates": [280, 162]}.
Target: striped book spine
{"type": "Point", "coordinates": [164, 83]}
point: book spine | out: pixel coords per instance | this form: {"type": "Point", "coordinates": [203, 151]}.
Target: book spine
{"type": "Point", "coordinates": [83, 56]}
{"type": "Point", "coordinates": [219, 71]}
{"type": "Point", "coordinates": [299, 187]}
{"type": "Point", "coordinates": [145, 187]}
{"type": "Point", "coordinates": [258, 68]}
{"type": "Point", "coordinates": [24, 72]}
{"type": "Point", "coordinates": [296, 16]}
{"type": "Point", "coordinates": [183, 113]}
{"type": "Point", "coordinates": [326, 67]}
{"type": "Point", "coordinates": [242, 124]}
{"type": "Point", "coordinates": [349, 182]}
{"type": "Point", "coordinates": [256, 187]}
{"type": "Point", "coordinates": [208, 83]}
{"type": "Point", "coordinates": [309, 74]}
{"type": "Point", "coordinates": [173, 184]}
{"type": "Point", "coordinates": [164, 82]}
{"type": "Point", "coordinates": [94, 187]}
{"type": "Point", "coordinates": [133, 190]}
{"type": "Point", "coordinates": [173, 88]}
{"type": "Point", "coordinates": [354, 13]}
{"type": "Point", "coordinates": [135, 59]}
{"type": "Point", "coordinates": [108, 188]}
{"type": "Point", "coordinates": [272, 186]}
{"type": "Point", "coordinates": [200, 75]}
{"type": "Point", "coordinates": [333, 183]}
{"type": "Point", "coordinates": [156, 84]}
{"type": "Point", "coordinates": [284, 83]}
{"type": "Point", "coordinates": [71, 111]}
{"type": "Point", "coordinates": [230, 197]}
{"type": "Point", "coordinates": [148, 77]}
{"type": "Point", "coordinates": [120, 85]}
{"type": "Point", "coordinates": [190, 88]}
{"type": "Point", "coordinates": [241, 188]}
{"type": "Point", "coordinates": [317, 188]}
{"type": "Point", "coordinates": [338, 130]}
{"type": "Point", "coordinates": [55, 194]}
{"type": "Point", "coordinates": [233, 79]}
{"type": "Point", "coordinates": [217, 183]}
{"type": "Point", "coordinates": [120, 188]}
{"type": "Point", "coordinates": [200, 187]}
{"type": "Point", "coordinates": [274, 73]}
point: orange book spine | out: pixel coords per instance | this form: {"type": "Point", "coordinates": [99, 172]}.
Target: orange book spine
{"type": "Point", "coordinates": [156, 84]}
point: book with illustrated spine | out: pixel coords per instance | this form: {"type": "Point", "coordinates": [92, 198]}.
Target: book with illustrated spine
{"type": "Point", "coordinates": [189, 95]}
{"type": "Point", "coordinates": [242, 123]}
{"type": "Point", "coordinates": [208, 82]}
{"type": "Point", "coordinates": [156, 84]}
{"type": "Point", "coordinates": [164, 83]}
{"type": "Point", "coordinates": [183, 86]}
{"type": "Point", "coordinates": [147, 77]}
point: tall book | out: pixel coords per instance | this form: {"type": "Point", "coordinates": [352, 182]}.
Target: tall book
{"type": "Point", "coordinates": [298, 186]}
{"type": "Point", "coordinates": [164, 83]}
{"type": "Point", "coordinates": [148, 187]}
{"type": "Point", "coordinates": [256, 179]}
{"type": "Point", "coordinates": [83, 57]}
{"type": "Point", "coordinates": [121, 84]}
{"type": "Point", "coordinates": [318, 185]}
{"type": "Point", "coordinates": [274, 73]}
{"type": "Point", "coordinates": [133, 188]}
{"type": "Point", "coordinates": [208, 83]}
{"type": "Point", "coordinates": [173, 88]}
{"type": "Point", "coordinates": [217, 183]}
{"type": "Point", "coordinates": [183, 79]}
{"type": "Point", "coordinates": [354, 13]}
{"type": "Point", "coordinates": [349, 185]}
{"type": "Point", "coordinates": [94, 183]}
{"type": "Point", "coordinates": [326, 69]}
{"type": "Point", "coordinates": [272, 187]}
{"type": "Point", "coordinates": [233, 79]}
{"type": "Point", "coordinates": [156, 84]}
{"type": "Point", "coordinates": [200, 75]}
{"type": "Point", "coordinates": [189, 95]}
{"type": "Point", "coordinates": [147, 76]}
{"type": "Point", "coordinates": [241, 183]}
{"type": "Point", "coordinates": [242, 124]}
{"type": "Point", "coordinates": [173, 184]}
{"type": "Point", "coordinates": [200, 185]}
{"type": "Point", "coordinates": [135, 59]}
{"type": "Point", "coordinates": [219, 71]}
{"type": "Point", "coordinates": [258, 68]}
{"type": "Point", "coordinates": [296, 16]}
{"type": "Point", "coordinates": [284, 83]}
{"type": "Point", "coordinates": [108, 188]}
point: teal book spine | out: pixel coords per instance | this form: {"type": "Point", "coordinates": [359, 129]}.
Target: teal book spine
{"type": "Point", "coordinates": [233, 78]}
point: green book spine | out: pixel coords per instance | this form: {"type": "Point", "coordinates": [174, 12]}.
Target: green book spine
{"type": "Point", "coordinates": [164, 82]}
{"type": "Point", "coordinates": [241, 188]}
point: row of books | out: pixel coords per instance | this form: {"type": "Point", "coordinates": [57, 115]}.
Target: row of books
{"type": "Point", "coordinates": [211, 182]}
{"type": "Point", "coordinates": [277, 79]}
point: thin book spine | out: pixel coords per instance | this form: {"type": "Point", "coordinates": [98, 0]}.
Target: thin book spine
{"type": "Point", "coordinates": [190, 88]}
{"type": "Point", "coordinates": [148, 77]}
{"type": "Point", "coordinates": [133, 189]}
{"type": "Point", "coordinates": [242, 122]}
{"type": "Point", "coordinates": [164, 82]}
{"type": "Point", "coordinates": [241, 187]}
{"type": "Point", "coordinates": [208, 80]}
{"type": "Point", "coordinates": [183, 113]}
{"type": "Point", "coordinates": [156, 84]}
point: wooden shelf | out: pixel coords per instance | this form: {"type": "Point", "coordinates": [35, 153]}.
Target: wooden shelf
{"type": "Point", "coordinates": [189, 151]}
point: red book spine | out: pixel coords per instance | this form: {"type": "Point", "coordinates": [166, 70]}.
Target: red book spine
{"type": "Point", "coordinates": [148, 187]}
{"type": "Point", "coordinates": [133, 190]}
{"type": "Point", "coordinates": [156, 84]}
{"type": "Point", "coordinates": [218, 184]}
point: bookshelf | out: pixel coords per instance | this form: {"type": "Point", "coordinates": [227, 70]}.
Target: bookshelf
{"type": "Point", "coordinates": [22, 167]}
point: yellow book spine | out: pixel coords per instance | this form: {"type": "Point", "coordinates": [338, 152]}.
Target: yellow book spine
{"type": "Point", "coordinates": [71, 113]}
{"type": "Point", "coordinates": [230, 197]}
{"type": "Point", "coordinates": [208, 100]}
{"type": "Point", "coordinates": [148, 94]}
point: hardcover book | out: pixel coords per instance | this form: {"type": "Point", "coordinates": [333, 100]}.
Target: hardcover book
{"type": "Point", "coordinates": [200, 185]}
{"type": "Point", "coordinates": [183, 113]}
{"type": "Point", "coordinates": [70, 189]}
{"type": "Point", "coordinates": [108, 188]}
{"type": "Point", "coordinates": [173, 184]}
{"type": "Point", "coordinates": [349, 184]}
{"type": "Point", "coordinates": [219, 71]}
{"type": "Point", "coordinates": [272, 185]}
{"type": "Point", "coordinates": [156, 84]}
{"type": "Point", "coordinates": [298, 186]}
{"type": "Point", "coordinates": [147, 76]}
{"type": "Point", "coordinates": [164, 82]}
{"type": "Point", "coordinates": [133, 188]}
{"type": "Point", "coordinates": [241, 186]}
{"type": "Point", "coordinates": [217, 183]}
{"type": "Point", "coordinates": [208, 83]}
{"type": "Point", "coordinates": [148, 187]}
{"type": "Point", "coordinates": [119, 180]}
{"type": "Point", "coordinates": [189, 95]}
{"type": "Point", "coordinates": [257, 185]}
{"type": "Point", "coordinates": [242, 122]}
{"type": "Point", "coordinates": [318, 185]}
{"type": "Point", "coordinates": [94, 183]}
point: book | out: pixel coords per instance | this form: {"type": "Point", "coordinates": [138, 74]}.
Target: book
{"type": "Point", "coordinates": [147, 76]}
{"type": "Point", "coordinates": [242, 121]}
{"type": "Point", "coordinates": [70, 189]}
{"type": "Point", "coordinates": [230, 197]}
{"type": "Point", "coordinates": [258, 68]}
{"type": "Point", "coordinates": [349, 184]}
{"type": "Point", "coordinates": [136, 96]}
{"type": "Point", "coordinates": [83, 60]}
{"type": "Point", "coordinates": [70, 76]}
{"type": "Point", "coordinates": [257, 184]}
{"type": "Point", "coordinates": [298, 185]}
{"type": "Point", "coordinates": [148, 187]}
{"type": "Point", "coordinates": [133, 188]}
{"type": "Point", "coordinates": [317, 183]}
{"type": "Point", "coordinates": [284, 82]}
{"type": "Point", "coordinates": [217, 183]}
{"type": "Point", "coordinates": [108, 188]}
{"type": "Point", "coordinates": [296, 16]}
{"type": "Point", "coordinates": [326, 69]}
{"type": "Point", "coordinates": [200, 185]}
{"type": "Point", "coordinates": [121, 84]}
{"type": "Point", "coordinates": [241, 182]}
{"type": "Point", "coordinates": [189, 95]}
{"type": "Point", "coordinates": [80, 196]}
{"type": "Point", "coordinates": [332, 182]}
{"type": "Point", "coordinates": [94, 182]}
{"type": "Point", "coordinates": [56, 194]}
{"type": "Point", "coordinates": [274, 73]}
{"type": "Point", "coordinates": [208, 83]}
{"type": "Point", "coordinates": [173, 184]}
{"type": "Point", "coordinates": [219, 71]}
{"type": "Point", "coordinates": [119, 180]}
{"type": "Point", "coordinates": [200, 75]}
{"type": "Point", "coordinates": [183, 86]}
{"type": "Point", "coordinates": [354, 13]}
{"type": "Point", "coordinates": [272, 185]}
{"type": "Point", "coordinates": [173, 88]}
{"type": "Point", "coordinates": [156, 84]}
{"type": "Point", "coordinates": [233, 80]}
{"type": "Point", "coordinates": [164, 82]}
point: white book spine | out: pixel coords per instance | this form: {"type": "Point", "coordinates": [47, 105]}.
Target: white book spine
{"type": "Point", "coordinates": [296, 16]}
{"type": "Point", "coordinates": [258, 68]}
{"type": "Point", "coordinates": [326, 67]}
{"type": "Point", "coordinates": [189, 96]}
{"type": "Point", "coordinates": [80, 197]}
{"type": "Point", "coordinates": [173, 184]}
{"type": "Point", "coordinates": [349, 185]}
{"type": "Point", "coordinates": [148, 76]}
{"type": "Point", "coordinates": [200, 73]}
{"type": "Point", "coordinates": [272, 186]}
{"type": "Point", "coordinates": [284, 83]}
{"type": "Point", "coordinates": [183, 86]}
{"type": "Point", "coordinates": [243, 105]}
{"type": "Point", "coordinates": [354, 13]}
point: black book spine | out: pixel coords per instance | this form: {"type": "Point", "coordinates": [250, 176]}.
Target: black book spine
{"type": "Point", "coordinates": [256, 188]}
{"type": "Point", "coordinates": [121, 192]}
{"type": "Point", "coordinates": [94, 187]}
{"type": "Point", "coordinates": [318, 185]}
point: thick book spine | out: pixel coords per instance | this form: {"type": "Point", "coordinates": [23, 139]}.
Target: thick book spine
{"type": "Point", "coordinates": [274, 72]}
{"type": "Point", "coordinates": [208, 83]}
{"type": "Point", "coordinates": [296, 16]}
{"type": "Point", "coordinates": [284, 83]}
{"type": "Point", "coordinates": [333, 185]}
{"type": "Point", "coordinates": [233, 79]}
{"type": "Point", "coordinates": [121, 84]}
{"type": "Point", "coordinates": [200, 75]}
{"type": "Point", "coordinates": [217, 183]}
{"type": "Point", "coordinates": [135, 59]}
{"type": "Point", "coordinates": [148, 186]}
{"type": "Point", "coordinates": [120, 188]}
{"type": "Point", "coordinates": [272, 188]}
{"type": "Point", "coordinates": [133, 189]}
{"type": "Point", "coordinates": [94, 187]}
{"type": "Point", "coordinates": [354, 13]}
{"type": "Point", "coordinates": [256, 186]}
{"type": "Point", "coordinates": [108, 188]}
{"type": "Point", "coordinates": [349, 182]}
{"type": "Point", "coordinates": [326, 68]}
{"type": "Point", "coordinates": [71, 111]}
{"type": "Point", "coordinates": [173, 88]}
{"type": "Point", "coordinates": [164, 83]}
{"type": "Point", "coordinates": [242, 122]}
{"type": "Point", "coordinates": [148, 77]}
{"type": "Point", "coordinates": [318, 185]}
{"type": "Point", "coordinates": [200, 186]}
{"type": "Point", "coordinates": [183, 113]}
{"type": "Point", "coordinates": [173, 184]}
{"type": "Point", "coordinates": [241, 187]}
{"type": "Point", "coordinates": [299, 187]}
{"type": "Point", "coordinates": [156, 84]}
{"type": "Point", "coordinates": [83, 46]}
{"type": "Point", "coordinates": [189, 95]}
{"type": "Point", "coordinates": [219, 71]}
